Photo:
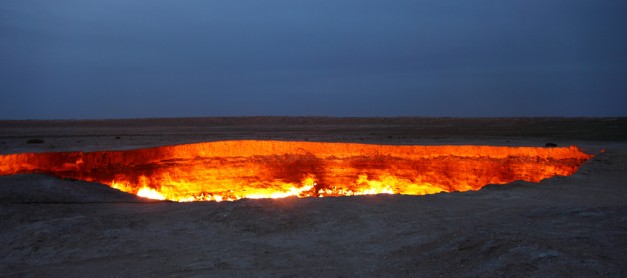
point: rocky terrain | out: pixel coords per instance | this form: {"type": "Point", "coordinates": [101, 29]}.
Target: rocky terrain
{"type": "Point", "coordinates": [564, 226]}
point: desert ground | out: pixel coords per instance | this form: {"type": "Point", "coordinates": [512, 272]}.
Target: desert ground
{"type": "Point", "coordinates": [563, 226]}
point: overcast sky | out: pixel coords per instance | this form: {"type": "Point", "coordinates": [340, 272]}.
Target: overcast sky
{"type": "Point", "coordinates": [147, 58]}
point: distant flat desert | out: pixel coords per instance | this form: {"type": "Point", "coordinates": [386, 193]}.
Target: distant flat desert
{"type": "Point", "coordinates": [563, 226]}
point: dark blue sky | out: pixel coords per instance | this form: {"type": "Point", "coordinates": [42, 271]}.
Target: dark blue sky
{"type": "Point", "coordinates": [120, 58]}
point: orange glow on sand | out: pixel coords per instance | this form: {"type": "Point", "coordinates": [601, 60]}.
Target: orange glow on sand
{"type": "Point", "coordinates": [231, 170]}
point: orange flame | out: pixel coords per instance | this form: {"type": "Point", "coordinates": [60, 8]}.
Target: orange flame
{"type": "Point", "coordinates": [231, 170]}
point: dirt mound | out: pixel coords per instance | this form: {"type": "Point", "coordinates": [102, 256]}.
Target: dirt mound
{"type": "Point", "coordinates": [37, 188]}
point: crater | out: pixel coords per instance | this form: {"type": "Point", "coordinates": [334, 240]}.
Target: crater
{"type": "Point", "coordinates": [232, 170]}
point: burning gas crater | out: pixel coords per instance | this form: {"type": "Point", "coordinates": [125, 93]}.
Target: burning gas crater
{"type": "Point", "coordinates": [231, 170]}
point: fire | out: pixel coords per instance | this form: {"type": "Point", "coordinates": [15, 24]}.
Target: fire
{"type": "Point", "coordinates": [232, 170]}
{"type": "Point", "coordinates": [150, 193]}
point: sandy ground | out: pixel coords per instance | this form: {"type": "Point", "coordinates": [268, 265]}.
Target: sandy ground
{"type": "Point", "coordinates": [565, 226]}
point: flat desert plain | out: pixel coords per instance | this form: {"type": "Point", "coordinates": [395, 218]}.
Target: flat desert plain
{"type": "Point", "coordinates": [563, 226]}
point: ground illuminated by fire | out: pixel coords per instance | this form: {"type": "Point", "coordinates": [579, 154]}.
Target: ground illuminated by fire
{"type": "Point", "coordinates": [231, 170]}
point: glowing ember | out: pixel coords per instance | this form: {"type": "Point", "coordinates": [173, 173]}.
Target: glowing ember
{"type": "Point", "coordinates": [150, 193]}
{"type": "Point", "coordinates": [231, 170]}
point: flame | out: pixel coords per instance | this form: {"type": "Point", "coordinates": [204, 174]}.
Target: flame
{"type": "Point", "coordinates": [232, 170]}
{"type": "Point", "coordinates": [150, 193]}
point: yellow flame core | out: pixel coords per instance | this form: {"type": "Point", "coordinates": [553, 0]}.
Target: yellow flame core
{"type": "Point", "coordinates": [150, 193]}
{"type": "Point", "coordinates": [232, 170]}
